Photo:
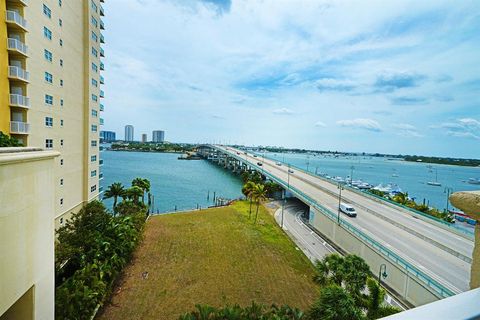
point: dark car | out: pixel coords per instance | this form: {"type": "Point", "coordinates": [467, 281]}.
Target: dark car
{"type": "Point", "coordinates": [259, 163]}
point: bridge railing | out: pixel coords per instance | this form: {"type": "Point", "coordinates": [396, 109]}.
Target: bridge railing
{"type": "Point", "coordinates": [441, 290]}
{"type": "Point", "coordinates": [450, 226]}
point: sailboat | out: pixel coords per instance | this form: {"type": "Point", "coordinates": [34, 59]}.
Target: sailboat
{"type": "Point", "coordinates": [435, 183]}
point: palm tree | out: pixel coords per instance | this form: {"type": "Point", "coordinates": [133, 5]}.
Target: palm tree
{"type": "Point", "coordinates": [374, 302]}
{"type": "Point", "coordinates": [134, 193]}
{"type": "Point", "coordinates": [259, 193]}
{"type": "Point", "coordinates": [143, 184]}
{"type": "Point", "coordinates": [114, 191]}
{"type": "Point", "coordinates": [247, 190]}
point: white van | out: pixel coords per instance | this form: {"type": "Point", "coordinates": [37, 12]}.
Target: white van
{"type": "Point", "coordinates": [348, 210]}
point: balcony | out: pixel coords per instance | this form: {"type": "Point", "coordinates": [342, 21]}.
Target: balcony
{"type": "Point", "coordinates": [102, 122]}
{"type": "Point", "coordinates": [102, 13]}
{"type": "Point", "coordinates": [20, 2]}
{"type": "Point", "coordinates": [102, 25]}
{"type": "Point", "coordinates": [102, 108]}
{"type": "Point", "coordinates": [102, 52]}
{"type": "Point", "coordinates": [102, 39]}
{"type": "Point", "coordinates": [100, 163]}
{"type": "Point", "coordinates": [102, 94]}
{"type": "Point", "coordinates": [102, 80]}
{"type": "Point", "coordinates": [15, 20]}
{"type": "Point", "coordinates": [16, 46]}
{"type": "Point", "coordinates": [102, 66]}
{"type": "Point", "coordinates": [17, 127]}
{"type": "Point", "coordinates": [17, 100]}
{"type": "Point", "coordinates": [17, 73]}
{"type": "Point", "coordinates": [100, 176]}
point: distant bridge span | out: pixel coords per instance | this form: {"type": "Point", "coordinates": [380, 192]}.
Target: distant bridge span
{"type": "Point", "coordinates": [426, 260]}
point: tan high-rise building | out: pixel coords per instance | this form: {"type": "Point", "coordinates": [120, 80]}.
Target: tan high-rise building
{"type": "Point", "coordinates": [50, 89]}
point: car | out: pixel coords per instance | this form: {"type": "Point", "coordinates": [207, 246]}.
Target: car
{"type": "Point", "coordinates": [254, 155]}
{"type": "Point", "coordinates": [278, 163]}
{"type": "Point", "coordinates": [348, 210]}
{"type": "Point", "coordinates": [290, 171]}
{"type": "Point", "coordinates": [238, 152]}
{"type": "Point", "coordinates": [259, 164]}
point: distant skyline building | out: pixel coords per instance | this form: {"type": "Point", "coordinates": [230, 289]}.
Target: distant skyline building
{"type": "Point", "coordinates": [129, 133]}
{"type": "Point", "coordinates": [107, 136]}
{"type": "Point", "coordinates": [144, 137]}
{"type": "Point", "coordinates": [158, 136]}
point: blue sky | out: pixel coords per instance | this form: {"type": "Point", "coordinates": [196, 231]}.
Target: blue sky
{"type": "Point", "coordinates": [374, 76]}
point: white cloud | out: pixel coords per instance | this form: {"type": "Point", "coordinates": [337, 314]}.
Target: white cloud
{"type": "Point", "coordinates": [361, 123]}
{"type": "Point", "coordinates": [320, 124]}
{"type": "Point", "coordinates": [461, 128]}
{"type": "Point", "coordinates": [283, 111]}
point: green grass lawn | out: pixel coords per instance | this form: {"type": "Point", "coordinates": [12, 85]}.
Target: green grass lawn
{"type": "Point", "coordinates": [215, 256]}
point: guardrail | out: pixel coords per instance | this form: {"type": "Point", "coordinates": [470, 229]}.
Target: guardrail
{"type": "Point", "coordinates": [451, 226]}
{"type": "Point", "coordinates": [441, 290]}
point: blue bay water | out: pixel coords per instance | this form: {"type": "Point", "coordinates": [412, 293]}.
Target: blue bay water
{"type": "Point", "coordinates": [412, 176]}
{"type": "Point", "coordinates": [181, 183]}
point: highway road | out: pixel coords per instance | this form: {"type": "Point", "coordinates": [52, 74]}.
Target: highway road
{"type": "Point", "coordinates": [381, 222]}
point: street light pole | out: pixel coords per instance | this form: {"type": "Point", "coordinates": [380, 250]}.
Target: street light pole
{"type": "Point", "coordinates": [380, 274]}
{"type": "Point", "coordinates": [283, 204]}
{"type": "Point", "coordinates": [340, 187]}
{"type": "Point", "coordinates": [288, 177]}
{"type": "Point", "coordinates": [448, 191]}
{"type": "Point", "coordinates": [351, 174]}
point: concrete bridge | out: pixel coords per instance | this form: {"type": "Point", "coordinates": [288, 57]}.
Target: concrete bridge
{"type": "Point", "coordinates": [426, 260]}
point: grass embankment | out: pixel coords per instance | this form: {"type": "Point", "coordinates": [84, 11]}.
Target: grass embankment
{"type": "Point", "coordinates": [216, 257]}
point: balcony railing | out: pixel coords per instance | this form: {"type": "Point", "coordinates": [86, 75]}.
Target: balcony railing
{"type": "Point", "coordinates": [17, 127]}
{"type": "Point", "coordinates": [20, 2]}
{"type": "Point", "coordinates": [102, 80]}
{"type": "Point", "coordinates": [102, 108]}
{"type": "Point", "coordinates": [102, 25]}
{"type": "Point", "coordinates": [102, 39]}
{"type": "Point", "coordinates": [14, 18]}
{"type": "Point", "coordinates": [102, 52]}
{"type": "Point", "coordinates": [102, 66]}
{"type": "Point", "coordinates": [102, 94]}
{"type": "Point", "coordinates": [17, 100]}
{"type": "Point", "coordinates": [17, 46]}
{"type": "Point", "coordinates": [100, 163]}
{"type": "Point", "coordinates": [18, 73]}
{"type": "Point", "coordinates": [102, 13]}
{"type": "Point", "coordinates": [100, 176]}
{"type": "Point", "coordinates": [102, 122]}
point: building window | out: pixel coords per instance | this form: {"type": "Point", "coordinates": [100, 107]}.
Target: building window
{"type": "Point", "coordinates": [61, 83]}
{"type": "Point", "coordinates": [94, 52]}
{"type": "Point", "coordinates": [61, 220]}
{"type": "Point", "coordinates": [49, 121]}
{"type": "Point", "coordinates": [93, 188]}
{"type": "Point", "coordinates": [94, 98]}
{"type": "Point", "coordinates": [48, 55]}
{"type": "Point", "coordinates": [49, 99]}
{"type": "Point", "coordinates": [94, 83]}
{"type": "Point", "coordinates": [93, 158]}
{"type": "Point", "coordinates": [94, 113]}
{"type": "Point", "coordinates": [61, 43]}
{"type": "Point", "coordinates": [61, 62]}
{"type": "Point", "coordinates": [61, 182]}
{"type": "Point", "coordinates": [61, 102]}
{"type": "Point", "coordinates": [61, 122]}
{"type": "Point", "coordinates": [93, 173]}
{"type": "Point", "coordinates": [94, 67]}
{"type": "Point", "coordinates": [61, 142]}
{"type": "Point", "coordinates": [61, 162]}
{"type": "Point", "coordinates": [48, 77]}
{"type": "Point", "coordinates": [94, 21]}
{"type": "Point", "coordinates": [93, 143]}
{"type": "Point", "coordinates": [94, 6]}
{"type": "Point", "coordinates": [61, 201]}
{"type": "Point", "coordinates": [47, 12]}
{"type": "Point", "coordinates": [48, 143]}
{"type": "Point", "coordinates": [94, 37]}
{"type": "Point", "coordinates": [59, 3]}
{"type": "Point", "coordinates": [60, 22]}
{"type": "Point", "coordinates": [47, 33]}
{"type": "Point", "coordinates": [94, 128]}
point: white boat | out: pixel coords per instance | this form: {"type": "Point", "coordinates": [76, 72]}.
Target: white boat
{"type": "Point", "coordinates": [474, 181]}
{"type": "Point", "coordinates": [435, 183]}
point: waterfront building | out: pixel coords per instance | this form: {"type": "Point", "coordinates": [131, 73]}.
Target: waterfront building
{"type": "Point", "coordinates": [158, 136]}
{"type": "Point", "coordinates": [50, 83]}
{"type": "Point", "coordinates": [107, 136]}
{"type": "Point", "coordinates": [129, 133]}
{"type": "Point", "coordinates": [144, 137]}
{"type": "Point", "coordinates": [50, 98]}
